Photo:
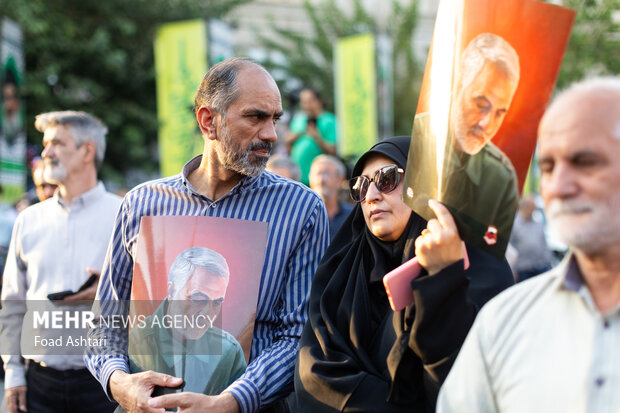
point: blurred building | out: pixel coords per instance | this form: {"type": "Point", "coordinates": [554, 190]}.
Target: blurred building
{"type": "Point", "coordinates": [259, 15]}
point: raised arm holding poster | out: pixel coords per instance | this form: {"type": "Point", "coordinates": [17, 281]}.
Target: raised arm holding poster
{"type": "Point", "coordinates": [490, 73]}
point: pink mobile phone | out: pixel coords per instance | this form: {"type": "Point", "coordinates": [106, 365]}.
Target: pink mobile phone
{"type": "Point", "coordinates": [397, 282]}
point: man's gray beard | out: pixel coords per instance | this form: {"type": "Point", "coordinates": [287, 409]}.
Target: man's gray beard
{"type": "Point", "coordinates": [233, 158]}
{"type": "Point", "coordinates": [602, 230]}
{"type": "Point", "coordinates": [459, 129]}
{"type": "Point", "coordinates": [54, 174]}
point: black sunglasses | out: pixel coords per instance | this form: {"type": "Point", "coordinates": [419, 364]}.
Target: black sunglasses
{"type": "Point", "coordinates": [386, 180]}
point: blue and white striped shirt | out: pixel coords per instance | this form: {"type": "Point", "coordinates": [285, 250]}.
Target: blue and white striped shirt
{"type": "Point", "coordinates": [297, 238]}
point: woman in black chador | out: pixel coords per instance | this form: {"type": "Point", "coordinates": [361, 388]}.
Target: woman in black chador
{"type": "Point", "coordinates": [356, 354]}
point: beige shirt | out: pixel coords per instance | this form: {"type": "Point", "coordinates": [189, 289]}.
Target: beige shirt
{"type": "Point", "coordinates": [51, 247]}
{"type": "Point", "coordinates": [540, 346]}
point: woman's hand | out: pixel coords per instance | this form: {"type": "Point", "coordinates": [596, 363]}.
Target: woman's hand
{"type": "Point", "coordinates": [439, 245]}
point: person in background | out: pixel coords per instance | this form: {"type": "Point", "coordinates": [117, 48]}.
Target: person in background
{"type": "Point", "coordinates": [12, 125]}
{"type": "Point", "coordinates": [8, 214]}
{"type": "Point", "coordinates": [551, 344]}
{"type": "Point", "coordinates": [311, 133]}
{"type": "Point", "coordinates": [56, 245]}
{"type": "Point", "coordinates": [528, 238]}
{"type": "Point", "coordinates": [327, 175]}
{"type": "Point", "coordinates": [284, 166]}
{"type": "Point", "coordinates": [43, 188]}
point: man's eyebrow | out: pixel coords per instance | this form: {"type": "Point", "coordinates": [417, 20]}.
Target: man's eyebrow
{"type": "Point", "coordinates": [587, 155]}
{"type": "Point", "coordinates": [543, 159]}
{"type": "Point", "coordinates": [196, 294]}
{"type": "Point", "coordinates": [52, 139]}
{"type": "Point", "coordinates": [204, 296]}
{"type": "Point", "coordinates": [483, 98]}
{"type": "Point", "coordinates": [262, 114]}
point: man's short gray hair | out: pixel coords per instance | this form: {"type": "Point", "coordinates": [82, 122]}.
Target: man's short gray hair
{"type": "Point", "coordinates": [284, 161]}
{"type": "Point", "coordinates": [218, 88]}
{"type": "Point", "coordinates": [191, 258]}
{"type": "Point", "coordinates": [599, 86]}
{"type": "Point", "coordinates": [493, 48]}
{"type": "Point", "coordinates": [340, 168]}
{"type": "Point", "coordinates": [84, 128]}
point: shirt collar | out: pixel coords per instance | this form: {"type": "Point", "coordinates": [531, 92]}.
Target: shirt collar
{"type": "Point", "coordinates": [88, 197]}
{"type": "Point", "coordinates": [571, 280]}
{"type": "Point", "coordinates": [245, 182]}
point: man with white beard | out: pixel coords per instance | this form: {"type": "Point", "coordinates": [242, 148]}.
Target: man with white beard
{"type": "Point", "coordinates": [550, 344]}
{"type": "Point", "coordinates": [56, 246]}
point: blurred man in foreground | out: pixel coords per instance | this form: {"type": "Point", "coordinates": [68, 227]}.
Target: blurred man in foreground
{"type": "Point", "coordinates": [551, 343]}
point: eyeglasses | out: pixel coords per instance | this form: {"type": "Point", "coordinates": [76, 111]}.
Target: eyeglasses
{"type": "Point", "coordinates": [386, 180]}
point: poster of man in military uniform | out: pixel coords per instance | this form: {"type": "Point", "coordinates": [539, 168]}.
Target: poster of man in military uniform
{"type": "Point", "coordinates": [482, 90]}
{"type": "Point", "coordinates": [194, 296]}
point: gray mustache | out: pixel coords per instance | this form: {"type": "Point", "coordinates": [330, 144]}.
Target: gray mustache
{"type": "Point", "coordinates": [557, 207]}
{"type": "Point", "coordinates": [50, 161]}
{"type": "Point", "coordinates": [260, 146]}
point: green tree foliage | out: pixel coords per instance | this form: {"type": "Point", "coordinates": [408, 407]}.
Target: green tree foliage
{"type": "Point", "coordinates": [97, 56]}
{"type": "Point", "coordinates": [310, 59]}
{"type": "Point", "coordinates": [594, 46]}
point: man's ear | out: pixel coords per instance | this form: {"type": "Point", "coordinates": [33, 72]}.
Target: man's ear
{"type": "Point", "coordinates": [89, 150]}
{"type": "Point", "coordinates": [206, 121]}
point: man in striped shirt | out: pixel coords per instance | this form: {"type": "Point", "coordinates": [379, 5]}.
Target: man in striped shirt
{"type": "Point", "coordinates": [237, 106]}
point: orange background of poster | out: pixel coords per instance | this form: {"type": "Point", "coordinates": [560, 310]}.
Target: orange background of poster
{"type": "Point", "coordinates": [539, 32]}
{"type": "Point", "coordinates": [242, 243]}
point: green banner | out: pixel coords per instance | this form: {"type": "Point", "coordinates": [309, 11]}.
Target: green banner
{"type": "Point", "coordinates": [12, 113]}
{"type": "Point", "coordinates": [356, 94]}
{"type": "Point", "coordinates": [180, 64]}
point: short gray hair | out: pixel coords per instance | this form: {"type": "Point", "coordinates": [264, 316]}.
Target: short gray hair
{"type": "Point", "coordinates": [218, 88]}
{"type": "Point", "coordinates": [493, 48]}
{"type": "Point", "coordinates": [598, 86]}
{"type": "Point", "coordinates": [340, 168]}
{"type": "Point", "coordinates": [84, 128]}
{"type": "Point", "coordinates": [191, 258]}
{"type": "Point", "coordinates": [284, 161]}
